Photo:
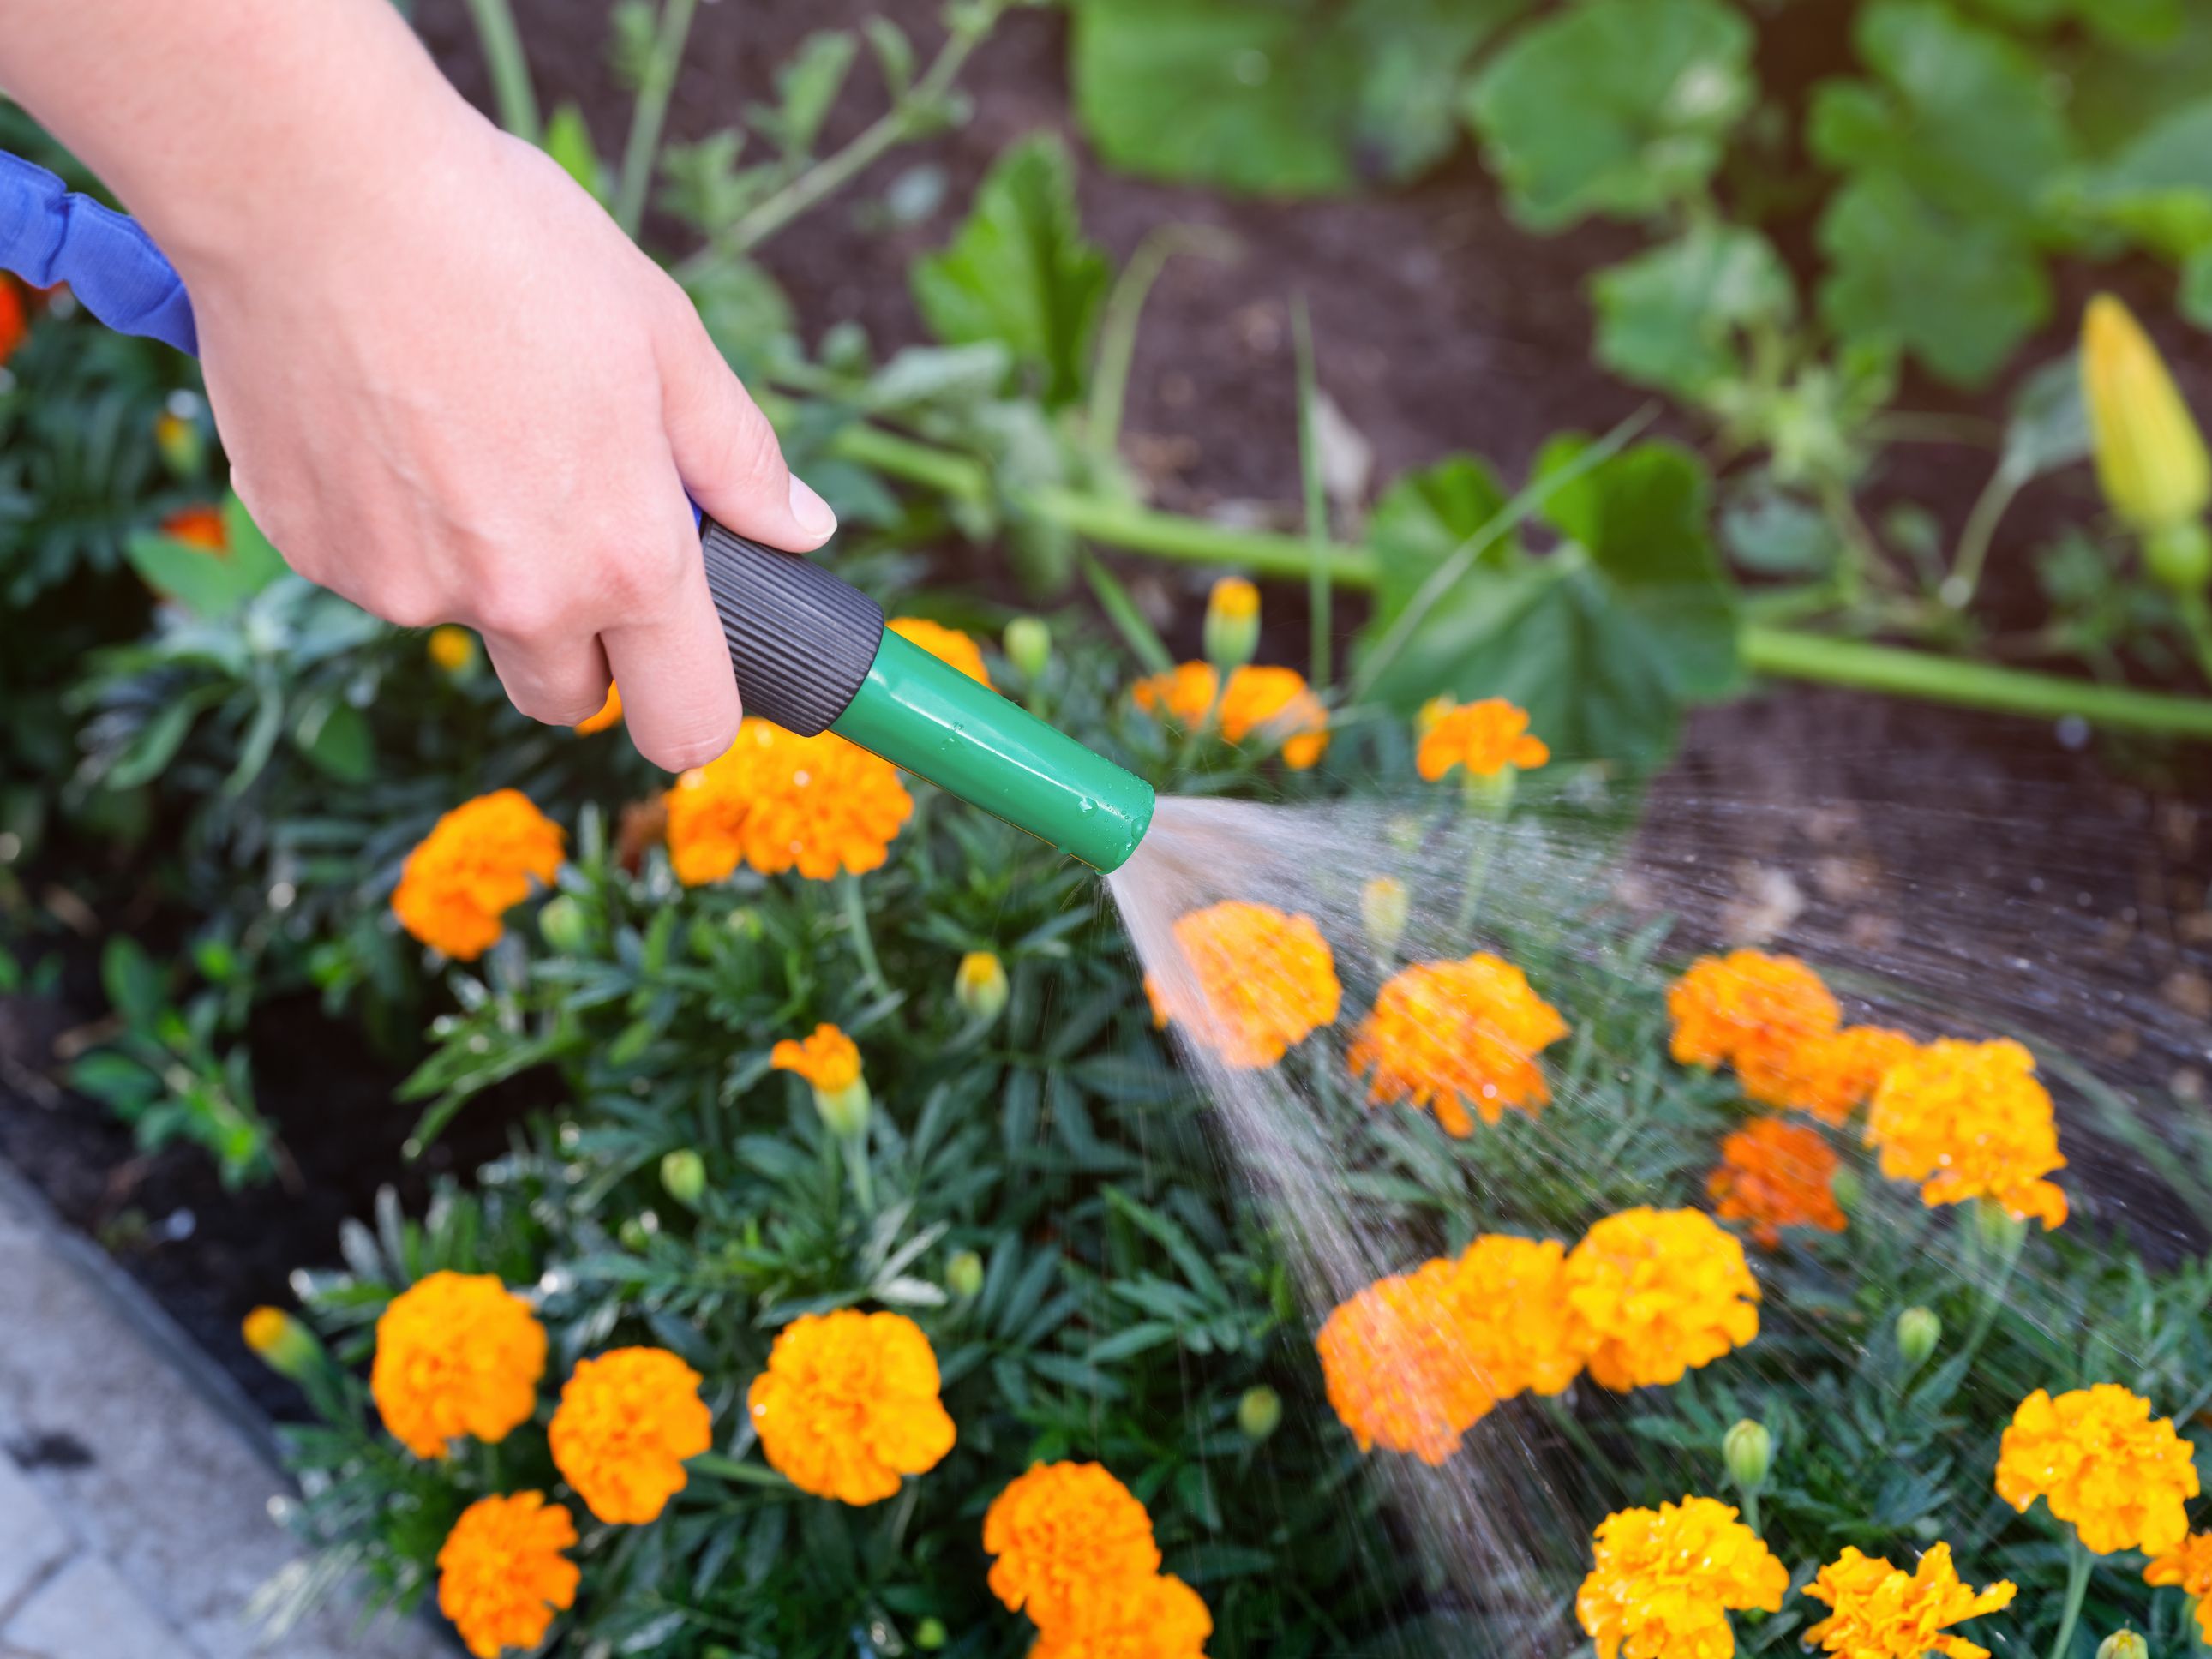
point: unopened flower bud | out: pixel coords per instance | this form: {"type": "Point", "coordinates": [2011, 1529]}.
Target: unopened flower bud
{"type": "Point", "coordinates": [1748, 1450]}
{"type": "Point", "coordinates": [964, 1275]}
{"type": "Point", "coordinates": [1383, 909]}
{"type": "Point", "coordinates": [1027, 644]}
{"type": "Point", "coordinates": [1259, 1413]}
{"type": "Point", "coordinates": [745, 922]}
{"type": "Point", "coordinates": [2151, 459]}
{"type": "Point", "coordinates": [1232, 623]}
{"type": "Point", "coordinates": [562, 924]}
{"type": "Point", "coordinates": [452, 649]}
{"type": "Point", "coordinates": [1918, 1331]}
{"type": "Point", "coordinates": [930, 1635]}
{"type": "Point", "coordinates": [2124, 1644]}
{"type": "Point", "coordinates": [980, 985]}
{"type": "Point", "coordinates": [282, 1342]}
{"type": "Point", "coordinates": [2000, 1231]}
{"type": "Point", "coordinates": [182, 445]}
{"type": "Point", "coordinates": [845, 1110]}
{"type": "Point", "coordinates": [1847, 1188]}
{"type": "Point", "coordinates": [684, 1175]}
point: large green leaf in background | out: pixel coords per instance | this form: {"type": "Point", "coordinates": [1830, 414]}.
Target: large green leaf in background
{"type": "Point", "coordinates": [2134, 22]}
{"type": "Point", "coordinates": [1621, 108]}
{"type": "Point", "coordinates": [2158, 190]}
{"type": "Point", "coordinates": [1604, 640]}
{"type": "Point", "coordinates": [1670, 317]}
{"type": "Point", "coordinates": [1276, 97]}
{"type": "Point", "coordinates": [1019, 271]}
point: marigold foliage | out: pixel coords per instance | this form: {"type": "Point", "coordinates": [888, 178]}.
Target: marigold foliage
{"type": "Point", "coordinates": [947, 644]}
{"type": "Point", "coordinates": [2104, 1465]}
{"type": "Point", "coordinates": [456, 1353]}
{"type": "Point", "coordinates": [778, 802]}
{"type": "Point", "coordinates": [1485, 738]}
{"type": "Point", "coordinates": [2189, 1566]}
{"type": "Point", "coordinates": [1273, 703]}
{"type": "Point", "coordinates": [1656, 1293]}
{"type": "Point", "coordinates": [1158, 1617]}
{"type": "Point", "coordinates": [626, 1422]}
{"type": "Point", "coordinates": [501, 1573]}
{"type": "Point", "coordinates": [1400, 1365]}
{"type": "Point", "coordinates": [1446, 1035]}
{"type": "Point", "coordinates": [828, 1058]}
{"type": "Point", "coordinates": [1832, 1077]}
{"type": "Point", "coordinates": [1264, 979]}
{"type": "Point", "coordinates": [1775, 1174]}
{"type": "Point", "coordinates": [1066, 1536]}
{"type": "Point", "coordinates": [1665, 1580]}
{"type": "Point", "coordinates": [848, 1404]}
{"type": "Point", "coordinates": [1969, 1120]}
{"type": "Point", "coordinates": [476, 864]}
{"type": "Point", "coordinates": [1756, 1012]}
{"type": "Point", "coordinates": [1878, 1612]}
{"type": "Point", "coordinates": [610, 715]}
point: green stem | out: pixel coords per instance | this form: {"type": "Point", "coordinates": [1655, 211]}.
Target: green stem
{"type": "Point", "coordinates": [1981, 528]}
{"type": "Point", "coordinates": [510, 90]}
{"type": "Point", "coordinates": [1993, 1295]}
{"type": "Point", "coordinates": [1318, 596]}
{"type": "Point", "coordinates": [649, 115]}
{"type": "Point", "coordinates": [1751, 1510]}
{"type": "Point", "coordinates": [2077, 1587]}
{"type": "Point", "coordinates": [1194, 541]}
{"type": "Point", "coordinates": [854, 1150]}
{"type": "Point", "coordinates": [856, 924]}
{"type": "Point", "coordinates": [1117, 330]}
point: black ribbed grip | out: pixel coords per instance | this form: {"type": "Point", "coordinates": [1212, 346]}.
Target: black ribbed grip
{"type": "Point", "coordinates": [802, 640]}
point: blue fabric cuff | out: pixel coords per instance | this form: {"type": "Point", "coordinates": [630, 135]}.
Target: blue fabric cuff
{"type": "Point", "coordinates": [48, 236]}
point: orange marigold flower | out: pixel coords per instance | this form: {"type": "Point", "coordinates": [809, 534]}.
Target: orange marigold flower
{"type": "Point", "coordinates": [2103, 1465]}
{"type": "Point", "coordinates": [626, 1422]}
{"type": "Point", "coordinates": [778, 802]}
{"type": "Point", "coordinates": [1878, 1611]}
{"type": "Point", "coordinates": [828, 1058]}
{"type": "Point", "coordinates": [1274, 702]}
{"type": "Point", "coordinates": [1511, 1300]}
{"type": "Point", "coordinates": [1969, 1120]}
{"type": "Point", "coordinates": [947, 644]}
{"type": "Point", "coordinates": [476, 864]}
{"type": "Point", "coordinates": [1774, 1175]}
{"type": "Point", "coordinates": [199, 526]}
{"type": "Point", "coordinates": [1064, 1533]}
{"type": "Point", "coordinates": [1658, 1292]}
{"type": "Point", "coordinates": [1754, 1011]}
{"type": "Point", "coordinates": [450, 648]}
{"type": "Point", "coordinates": [501, 1573]}
{"type": "Point", "coordinates": [1664, 1581]}
{"type": "Point", "coordinates": [1259, 981]}
{"type": "Point", "coordinates": [1832, 1077]}
{"type": "Point", "coordinates": [1157, 1617]}
{"type": "Point", "coordinates": [1484, 737]}
{"type": "Point", "coordinates": [848, 1404]}
{"type": "Point", "coordinates": [15, 321]}
{"type": "Point", "coordinates": [1400, 1367]}
{"type": "Point", "coordinates": [456, 1353]}
{"type": "Point", "coordinates": [1446, 1035]}
{"type": "Point", "coordinates": [2189, 1566]}
{"type": "Point", "coordinates": [610, 715]}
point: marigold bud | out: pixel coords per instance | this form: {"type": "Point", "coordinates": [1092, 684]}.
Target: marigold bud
{"type": "Point", "coordinates": [1383, 908]}
{"type": "Point", "coordinates": [1846, 1187]}
{"type": "Point", "coordinates": [845, 1110]}
{"type": "Point", "coordinates": [1028, 645]}
{"type": "Point", "coordinates": [980, 985]}
{"type": "Point", "coordinates": [684, 1175]}
{"type": "Point", "coordinates": [452, 649]}
{"type": "Point", "coordinates": [1232, 623]}
{"type": "Point", "coordinates": [562, 924]}
{"type": "Point", "coordinates": [1259, 1413]}
{"type": "Point", "coordinates": [1999, 1229]}
{"type": "Point", "coordinates": [282, 1342]}
{"type": "Point", "coordinates": [2151, 459]}
{"type": "Point", "coordinates": [1748, 1450]}
{"type": "Point", "coordinates": [1918, 1331]}
{"type": "Point", "coordinates": [2124, 1644]}
{"type": "Point", "coordinates": [745, 922]}
{"type": "Point", "coordinates": [930, 1635]}
{"type": "Point", "coordinates": [182, 445]}
{"type": "Point", "coordinates": [964, 1275]}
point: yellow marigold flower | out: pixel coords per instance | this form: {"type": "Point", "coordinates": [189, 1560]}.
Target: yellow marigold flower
{"type": "Point", "coordinates": [2151, 458]}
{"type": "Point", "coordinates": [1510, 1299]}
{"type": "Point", "coordinates": [1754, 1011]}
{"type": "Point", "coordinates": [1665, 1580]}
{"type": "Point", "coordinates": [947, 644]}
{"type": "Point", "coordinates": [1264, 981]}
{"type": "Point", "coordinates": [778, 802]}
{"type": "Point", "coordinates": [1064, 1535]}
{"type": "Point", "coordinates": [2189, 1566]}
{"type": "Point", "coordinates": [1155, 1617]}
{"type": "Point", "coordinates": [2103, 1465]}
{"type": "Point", "coordinates": [1400, 1365]}
{"type": "Point", "coordinates": [456, 1353]}
{"type": "Point", "coordinates": [1484, 737]}
{"type": "Point", "coordinates": [848, 1404]}
{"type": "Point", "coordinates": [1774, 1175]}
{"type": "Point", "coordinates": [610, 714]}
{"type": "Point", "coordinates": [1832, 1077]}
{"type": "Point", "coordinates": [1273, 702]}
{"type": "Point", "coordinates": [1658, 1292]}
{"type": "Point", "coordinates": [476, 864]}
{"type": "Point", "coordinates": [1448, 1036]}
{"type": "Point", "coordinates": [626, 1422]}
{"type": "Point", "coordinates": [1969, 1120]}
{"type": "Point", "coordinates": [450, 648]}
{"type": "Point", "coordinates": [1881, 1613]}
{"type": "Point", "coordinates": [501, 1573]}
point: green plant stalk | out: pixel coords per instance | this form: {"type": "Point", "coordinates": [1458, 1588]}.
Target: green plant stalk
{"type": "Point", "coordinates": [1318, 596]}
{"type": "Point", "coordinates": [509, 69]}
{"type": "Point", "coordinates": [2077, 1587]}
{"type": "Point", "coordinates": [1980, 530]}
{"type": "Point", "coordinates": [1117, 332]}
{"type": "Point", "coordinates": [649, 114]}
{"type": "Point", "coordinates": [856, 924]}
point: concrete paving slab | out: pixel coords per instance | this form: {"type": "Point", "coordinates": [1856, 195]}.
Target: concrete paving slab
{"type": "Point", "coordinates": [85, 1611]}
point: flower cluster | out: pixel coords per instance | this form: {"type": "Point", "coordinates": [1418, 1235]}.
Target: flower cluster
{"type": "Point", "coordinates": [1969, 1120]}
{"type": "Point", "coordinates": [1449, 1036]}
{"type": "Point", "coordinates": [478, 863]}
{"type": "Point", "coordinates": [1664, 1581]}
{"type": "Point", "coordinates": [1484, 738]}
{"type": "Point", "coordinates": [1074, 1549]}
{"type": "Point", "coordinates": [456, 1354]}
{"type": "Point", "coordinates": [1258, 982]}
{"type": "Point", "coordinates": [2119, 1477]}
{"type": "Point", "coordinates": [778, 802]}
{"type": "Point", "coordinates": [501, 1576]}
{"type": "Point", "coordinates": [1775, 1174]}
{"type": "Point", "coordinates": [948, 645]}
{"type": "Point", "coordinates": [1272, 703]}
{"type": "Point", "coordinates": [1656, 1293]}
{"type": "Point", "coordinates": [848, 1405]}
{"type": "Point", "coordinates": [1879, 1611]}
{"type": "Point", "coordinates": [626, 1422]}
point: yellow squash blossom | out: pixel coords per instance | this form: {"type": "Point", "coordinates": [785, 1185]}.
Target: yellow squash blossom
{"type": "Point", "coordinates": [2119, 1477]}
{"type": "Point", "coordinates": [456, 1354]}
{"type": "Point", "coordinates": [1066, 1536]}
{"type": "Point", "coordinates": [1969, 1120]}
{"type": "Point", "coordinates": [1878, 1612]}
{"type": "Point", "coordinates": [1656, 1293]}
{"type": "Point", "coordinates": [1664, 1582]}
{"type": "Point", "coordinates": [626, 1422]}
{"type": "Point", "coordinates": [2151, 458]}
{"type": "Point", "coordinates": [501, 1576]}
{"type": "Point", "coordinates": [1449, 1036]}
{"type": "Point", "coordinates": [478, 863]}
{"type": "Point", "coordinates": [778, 802]}
{"type": "Point", "coordinates": [947, 644]}
{"type": "Point", "coordinates": [848, 1405]}
{"type": "Point", "coordinates": [1259, 981]}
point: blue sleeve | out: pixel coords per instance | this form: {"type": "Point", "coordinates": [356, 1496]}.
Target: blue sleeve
{"type": "Point", "coordinates": [48, 236]}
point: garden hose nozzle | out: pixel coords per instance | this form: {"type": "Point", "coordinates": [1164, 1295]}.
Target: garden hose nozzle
{"type": "Point", "coordinates": [813, 655]}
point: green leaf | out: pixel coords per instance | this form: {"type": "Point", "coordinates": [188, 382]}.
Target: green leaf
{"type": "Point", "coordinates": [745, 314]}
{"type": "Point", "coordinates": [808, 84]}
{"type": "Point", "coordinates": [2127, 23]}
{"type": "Point", "coordinates": [1620, 107]}
{"type": "Point", "coordinates": [1276, 97]}
{"type": "Point", "coordinates": [336, 737]}
{"type": "Point", "coordinates": [2158, 190]}
{"type": "Point", "coordinates": [1670, 318]}
{"type": "Point", "coordinates": [137, 989]}
{"type": "Point", "coordinates": [2196, 296]}
{"type": "Point", "coordinates": [1957, 294]}
{"type": "Point", "coordinates": [569, 140]}
{"type": "Point", "coordinates": [155, 744]}
{"type": "Point", "coordinates": [1422, 520]}
{"type": "Point", "coordinates": [1020, 272]}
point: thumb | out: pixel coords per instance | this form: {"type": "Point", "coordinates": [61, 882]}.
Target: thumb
{"type": "Point", "coordinates": [725, 451]}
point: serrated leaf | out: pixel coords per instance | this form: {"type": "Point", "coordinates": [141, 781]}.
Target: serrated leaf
{"type": "Point", "coordinates": [1423, 520]}
{"type": "Point", "coordinates": [1671, 318]}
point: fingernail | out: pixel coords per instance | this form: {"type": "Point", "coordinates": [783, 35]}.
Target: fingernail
{"type": "Point", "coordinates": [812, 513]}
